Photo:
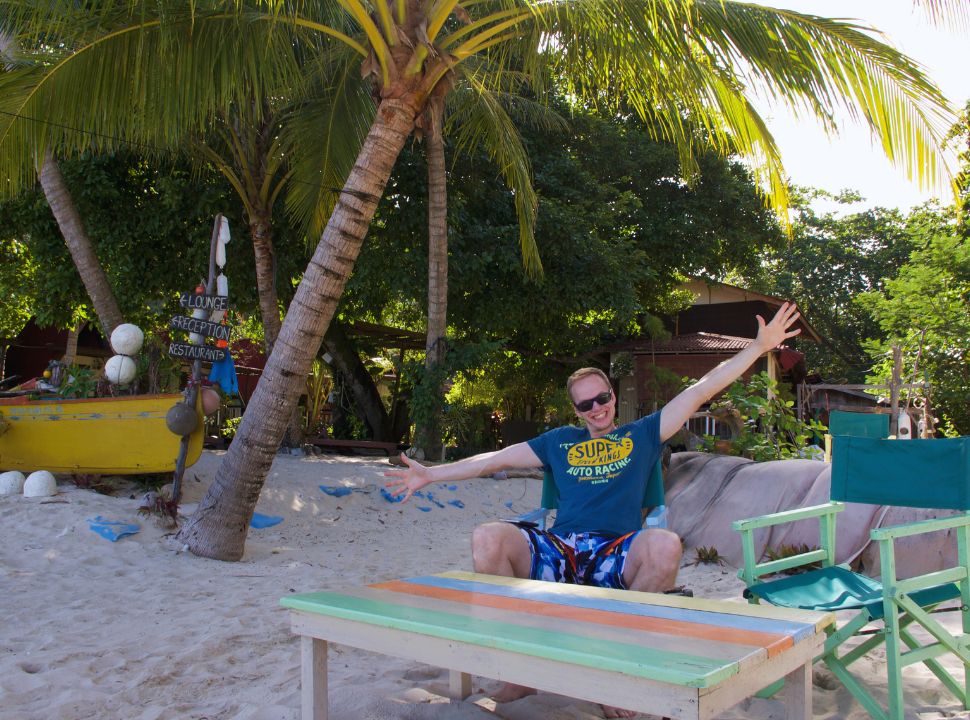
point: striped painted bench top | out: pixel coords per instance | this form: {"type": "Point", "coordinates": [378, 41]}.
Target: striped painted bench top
{"type": "Point", "coordinates": [683, 641]}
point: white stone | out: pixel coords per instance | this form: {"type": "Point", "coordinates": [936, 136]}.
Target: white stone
{"type": "Point", "coordinates": [40, 484]}
{"type": "Point", "coordinates": [126, 339]}
{"type": "Point", "coordinates": [11, 483]}
{"type": "Point", "coordinates": [120, 369]}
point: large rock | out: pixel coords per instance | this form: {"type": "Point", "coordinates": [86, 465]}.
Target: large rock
{"type": "Point", "coordinates": [706, 493]}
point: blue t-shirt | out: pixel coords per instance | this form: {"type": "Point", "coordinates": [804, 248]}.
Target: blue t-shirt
{"type": "Point", "coordinates": [601, 481]}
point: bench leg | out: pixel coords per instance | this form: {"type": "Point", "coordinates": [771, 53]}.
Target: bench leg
{"type": "Point", "coordinates": [797, 693]}
{"type": "Point", "coordinates": [459, 685]}
{"type": "Point", "coordinates": [313, 678]}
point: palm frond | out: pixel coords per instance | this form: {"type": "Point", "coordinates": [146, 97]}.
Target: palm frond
{"type": "Point", "coordinates": [322, 137]}
{"type": "Point", "coordinates": [481, 120]}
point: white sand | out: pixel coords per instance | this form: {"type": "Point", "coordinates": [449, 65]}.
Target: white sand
{"type": "Point", "coordinates": [137, 630]}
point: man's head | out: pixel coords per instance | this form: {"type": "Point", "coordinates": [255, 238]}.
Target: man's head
{"type": "Point", "coordinates": [593, 399]}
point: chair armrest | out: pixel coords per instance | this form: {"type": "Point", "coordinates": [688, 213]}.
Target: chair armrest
{"type": "Point", "coordinates": [887, 536]}
{"type": "Point", "coordinates": [753, 570]}
{"type": "Point", "coordinates": [786, 516]}
{"type": "Point", "coordinates": [657, 518]}
{"type": "Point", "coordinates": [537, 516]}
{"type": "Point", "coordinates": [919, 527]}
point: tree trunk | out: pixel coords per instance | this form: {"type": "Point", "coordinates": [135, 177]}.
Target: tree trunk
{"type": "Point", "coordinates": [85, 260]}
{"type": "Point", "coordinates": [430, 433]}
{"type": "Point", "coordinates": [261, 231]}
{"type": "Point", "coordinates": [367, 400]}
{"type": "Point", "coordinates": [218, 528]}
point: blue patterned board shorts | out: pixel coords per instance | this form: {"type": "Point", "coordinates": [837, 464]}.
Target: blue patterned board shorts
{"type": "Point", "coordinates": [577, 558]}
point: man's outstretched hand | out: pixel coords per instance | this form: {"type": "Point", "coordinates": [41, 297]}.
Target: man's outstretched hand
{"type": "Point", "coordinates": [408, 481]}
{"type": "Point", "coordinates": [774, 333]}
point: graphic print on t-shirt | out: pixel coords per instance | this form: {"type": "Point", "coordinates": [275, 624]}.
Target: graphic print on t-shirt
{"type": "Point", "coordinates": [599, 458]}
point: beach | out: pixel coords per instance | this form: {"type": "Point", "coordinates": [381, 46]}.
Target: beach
{"type": "Point", "coordinates": [140, 629]}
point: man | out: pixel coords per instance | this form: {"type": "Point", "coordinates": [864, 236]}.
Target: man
{"type": "Point", "coordinates": [601, 472]}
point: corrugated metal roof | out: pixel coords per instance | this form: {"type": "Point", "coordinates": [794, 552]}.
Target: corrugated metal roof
{"type": "Point", "coordinates": [700, 342]}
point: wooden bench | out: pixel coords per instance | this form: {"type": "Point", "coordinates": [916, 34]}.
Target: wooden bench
{"type": "Point", "coordinates": [388, 447]}
{"type": "Point", "coordinates": [662, 654]}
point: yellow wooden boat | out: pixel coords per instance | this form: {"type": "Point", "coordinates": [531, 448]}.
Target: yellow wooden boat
{"type": "Point", "coordinates": [94, 436]}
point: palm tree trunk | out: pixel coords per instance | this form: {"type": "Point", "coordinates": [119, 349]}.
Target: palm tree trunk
{"type": "Point", "coordinates": [430, 434]}
{"type": "Point", "coordinates": [261, 232]}
{"type": "Point", "coordinates": [85, 260]}
{"type": "Point", "coordinates": [218, 528]}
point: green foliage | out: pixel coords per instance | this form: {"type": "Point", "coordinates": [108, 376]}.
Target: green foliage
{"type": "Point", "coordinates": [926, 311]}
{"type": "Point", "coordinates": [617, 222]}
{"type": "Point", "coordinates": [230, 426]}
{"type": "Point", "coordinates": [150, 225]}
{"type": "Point", "coordinates": [17, 286]}
{"type": "Point", "coordinates": [770, 430]}
{"type": "Point", "coordinates": [318, 387]}
{"type": "Point", "coordinates": [832, 258]}
{"type": "Point", "coordinates": [707, 556]}
{"type": "Point", "coordinates": [79, 382]}
{"type": "Point", "coordinates": [427, 401]}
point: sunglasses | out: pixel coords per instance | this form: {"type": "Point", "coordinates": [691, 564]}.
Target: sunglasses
{"type": "Point", "coordinates": [601, 399]}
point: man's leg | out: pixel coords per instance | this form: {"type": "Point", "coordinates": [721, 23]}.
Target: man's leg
{"type": "Point", "coordinates": [652, 561]}
{"type": "Point", "coordinates": [500, 548]}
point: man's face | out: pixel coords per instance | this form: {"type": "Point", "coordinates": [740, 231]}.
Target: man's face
{"type": "Point", "coordinates": [599, 417]}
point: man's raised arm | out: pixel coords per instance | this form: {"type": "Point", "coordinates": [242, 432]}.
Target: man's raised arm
{"type": "Point", "coordinates": [415, 475]}
{"type": "Point", "coordinates": [678, 411]}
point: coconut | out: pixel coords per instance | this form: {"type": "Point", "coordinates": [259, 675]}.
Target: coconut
{"type": "Point", "coordinates": [40, 484]}
{"type": "Point", "coordinates": [120, 369]}
{"type": "Point", "coordinates": [11, 483]}
{"type": "Point", "coordinates": [126, 339]}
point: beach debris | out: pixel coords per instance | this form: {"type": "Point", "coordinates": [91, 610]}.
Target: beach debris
{"type": "Point", "coordinates": [429, 497]}
{"type": "Point", "coordinates": [11, 483]}
{"type": "Point", "coordinates": [385, 493]}
{"type": "Point", "coordinates": [336, 490]}
{"type": "Point", "coordinates": [40, 484]}
{"type": "Point", "coordinates": [112, 530]}
{"type": "Point", "coordinates": [157, 504]}
{"type": "Point", "coordinates": [260, 521]}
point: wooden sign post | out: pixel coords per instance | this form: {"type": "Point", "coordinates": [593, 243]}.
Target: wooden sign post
{"type": "Point", "coordinates": [196, 350]}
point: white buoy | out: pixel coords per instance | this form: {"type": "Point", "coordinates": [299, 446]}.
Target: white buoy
{"type": "Point", "coordinates": [11, 483]}
{"type": "Point", "coordinates": [40, 484]}
{"type": "Point", "coordinates": [120, 369]}
{"type": "Point", "coordinates": [126, 339]}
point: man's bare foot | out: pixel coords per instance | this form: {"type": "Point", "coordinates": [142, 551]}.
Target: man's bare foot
{"type": "Point", "coordinates": [510, 691]}
{"type": "Point", "coordinates": [612, 712]}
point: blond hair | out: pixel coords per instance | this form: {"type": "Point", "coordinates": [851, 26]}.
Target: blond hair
{"type": "Point", "coordinates": [585, 372]}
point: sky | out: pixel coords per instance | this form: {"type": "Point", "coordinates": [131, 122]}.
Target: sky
{"type": "Point", "coordinates": [852, 160]}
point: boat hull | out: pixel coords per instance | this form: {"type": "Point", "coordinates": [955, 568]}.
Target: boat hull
{"type": "Point", "coordinates": [95, 436]}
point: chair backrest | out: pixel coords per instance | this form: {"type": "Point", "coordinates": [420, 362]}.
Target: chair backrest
{"type": "Point", "coordinates": [652, 497]}
{"type": "Point", "coordinates": [908, 473]}
{"type": "Point", "coordinates": [859, 424]}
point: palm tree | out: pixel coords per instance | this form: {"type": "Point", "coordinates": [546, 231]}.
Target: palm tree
{"type": "Point", "coordinates": [680, 64]}
{"type": "Point", "coordinates": [637, 63]}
